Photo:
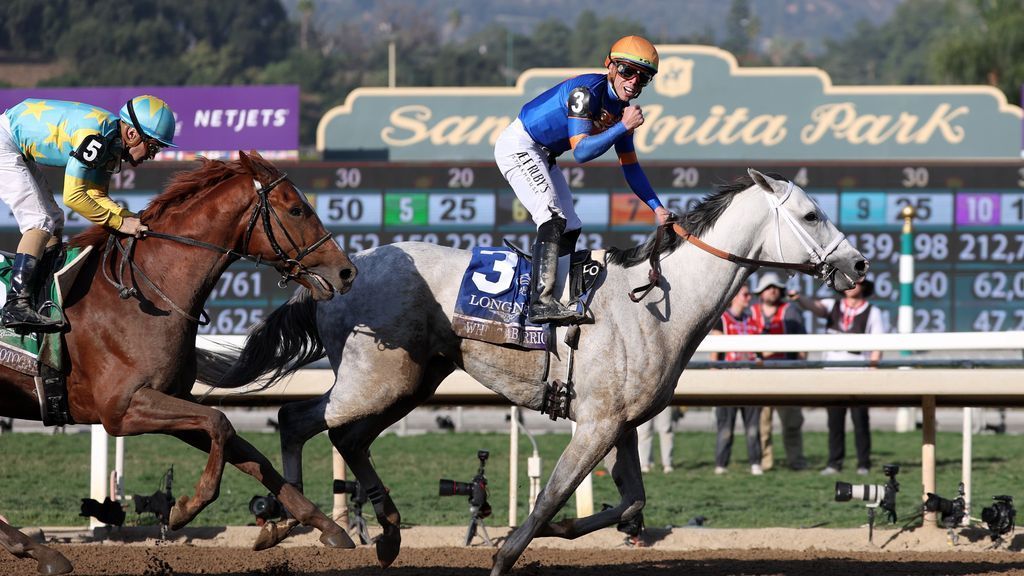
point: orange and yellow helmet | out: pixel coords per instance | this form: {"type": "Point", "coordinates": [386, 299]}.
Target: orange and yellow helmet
{"type": "Point", "coordinates": [634, 50]}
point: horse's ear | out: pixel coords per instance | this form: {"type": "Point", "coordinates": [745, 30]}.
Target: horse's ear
{"type": "Point", "coordinates": [254, 164]}
{"type": "Point", "coordinates": [767, 183]}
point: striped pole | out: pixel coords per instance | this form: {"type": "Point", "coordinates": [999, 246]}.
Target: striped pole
{"type": "Point", "coordinates": [906, 314]}
{"type": "Point", "coordinates": [905, 419]}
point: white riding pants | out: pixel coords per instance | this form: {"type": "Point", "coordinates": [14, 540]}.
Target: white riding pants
{"type": "Point", "coordinates": [542, 191]}
{"type": "Point", "coordinates": [23, 187]}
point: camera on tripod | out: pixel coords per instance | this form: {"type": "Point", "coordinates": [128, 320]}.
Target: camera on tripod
{"type": "Point", "coordinates": [358, 497]}
{"type": "Point", "coordinates": [1000, 516]}
{"type": "Point", "coordinates": [112, 512]}
{"type": "Point", "coordinates": [951, 512]}
{"type": "Point", "coordinates": [874, 495]}
{"type": "Point", "coordinates": [476, 490]}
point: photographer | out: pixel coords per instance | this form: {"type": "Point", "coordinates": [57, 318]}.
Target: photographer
{"type": "Point", "coordinates": [851, 314]}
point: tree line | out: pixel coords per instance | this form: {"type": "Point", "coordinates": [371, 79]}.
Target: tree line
{"type": "Point", "coordinates": [196, 42]}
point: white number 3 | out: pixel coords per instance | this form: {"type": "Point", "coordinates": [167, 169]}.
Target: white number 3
{"type": "Point", "coordinates": [506, 269]}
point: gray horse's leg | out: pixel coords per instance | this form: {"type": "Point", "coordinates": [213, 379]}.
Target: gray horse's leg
{"type": "Point", "coordinates": [353, 441]}
{"type": "Point", "coordinates": [298, 422]}
{"type": "Point", "coordinates": [588, 446]}
{"type": "Point", "coordinates": [357, 457]}
{"type": "Point", "coordinates": [625, 466]}
{"type": "Point", "coordinates": [49, 561]}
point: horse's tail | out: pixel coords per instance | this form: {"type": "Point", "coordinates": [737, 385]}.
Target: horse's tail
{"type": "Point", "coordinates": [278, 346]}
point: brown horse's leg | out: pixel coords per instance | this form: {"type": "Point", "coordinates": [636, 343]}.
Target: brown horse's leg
{"type": "Point", "coordinates": [248, 459]}
{"type": "Point", "coordinates": [152, 411]}
{"type": "Point", "coordinates": [49, 560]}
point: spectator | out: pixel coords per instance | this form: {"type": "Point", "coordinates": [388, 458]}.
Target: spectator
{"type": "Point", "coordinates": [852, 314]}
{"type": "Point", "coordinates": [736, 320]}
{"type": "Point", "coordinates": [664, 423]}
{"type": "Point", "coordinates": [773, 316]}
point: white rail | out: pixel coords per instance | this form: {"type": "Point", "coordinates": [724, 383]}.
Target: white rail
{"type": "Point", "coordinates": [924, 387]}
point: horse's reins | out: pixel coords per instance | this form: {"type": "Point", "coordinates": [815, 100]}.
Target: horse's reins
{"type": "Point", "coordinates": [819, 254]}
{"type": "Point", "coordinates": [262, 211]}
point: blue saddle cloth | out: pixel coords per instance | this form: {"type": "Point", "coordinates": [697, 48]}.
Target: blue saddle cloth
{"type": "Point", "coordinates": [493, 298]}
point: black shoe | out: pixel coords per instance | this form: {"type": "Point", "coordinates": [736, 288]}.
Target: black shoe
{"type": "Point", "coordinates": [18, 313]}
{"type": "Point", "coordinates": [544, 307]}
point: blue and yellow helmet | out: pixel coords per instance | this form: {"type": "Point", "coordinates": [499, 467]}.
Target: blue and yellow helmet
{"type": "Point", "coordinates": [150, 116]}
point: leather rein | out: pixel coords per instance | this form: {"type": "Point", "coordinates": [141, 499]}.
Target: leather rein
{"type": "Point", "coordinates": [262, 212]}
{"type": "Point", "coordinates": [654, 276]}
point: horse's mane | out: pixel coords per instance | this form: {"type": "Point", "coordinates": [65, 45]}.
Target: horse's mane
{"type": "Point", "coordinates": [183, 185]}
{"type": "Point", "coordinates": [697, 221]}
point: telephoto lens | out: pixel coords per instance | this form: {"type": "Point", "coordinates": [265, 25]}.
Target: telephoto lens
{"type": "Point", "coordinates": [265, 507]}
{"type": "Point", "coordinates": [454, 488]}
{"type": "Point", "coordinates": [866, 492]}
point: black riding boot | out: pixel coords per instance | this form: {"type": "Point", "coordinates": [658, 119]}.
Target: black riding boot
{"type": "Point", "coordinates": [19, 313]}
{"type": "Point", "coordinates": [544, 306]}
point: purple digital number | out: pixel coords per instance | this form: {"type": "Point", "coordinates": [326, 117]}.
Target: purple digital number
{"type": "Point", "coordinates": [974, 209]}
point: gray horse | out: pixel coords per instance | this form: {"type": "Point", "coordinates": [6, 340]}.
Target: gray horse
{"type": "Point", "coordinates": [390, 343]}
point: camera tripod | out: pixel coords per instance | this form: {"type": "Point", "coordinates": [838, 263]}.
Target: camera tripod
{"type": "Point", "coordinates": [358, 522]}
{"type": "Point", "coordinates": [476, 519]}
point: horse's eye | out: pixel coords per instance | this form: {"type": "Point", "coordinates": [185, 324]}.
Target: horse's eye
{"type": "Point", "coordinates": [296, 211]}
{"type": "Point", "coordinates": [811, 217]}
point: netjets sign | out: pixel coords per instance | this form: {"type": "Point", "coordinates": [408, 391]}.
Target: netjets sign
{"type": "Point", "coordinates": [701, 106]}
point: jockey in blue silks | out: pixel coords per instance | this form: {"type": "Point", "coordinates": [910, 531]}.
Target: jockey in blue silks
{"type": "Point", "coordinates": [90, 143]}
{"type": "Point", "coordinates": [587, 114]}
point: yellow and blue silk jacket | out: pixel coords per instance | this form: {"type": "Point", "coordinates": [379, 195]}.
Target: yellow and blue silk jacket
{"type": "Point", "coordinates": [86, 140]}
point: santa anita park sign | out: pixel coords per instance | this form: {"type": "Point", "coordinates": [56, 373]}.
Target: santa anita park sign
{"type": "Point", "coordinates": [701, 106]}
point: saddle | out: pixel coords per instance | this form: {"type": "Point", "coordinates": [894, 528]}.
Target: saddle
{"type": "Point", "coordinates": [42, 356]}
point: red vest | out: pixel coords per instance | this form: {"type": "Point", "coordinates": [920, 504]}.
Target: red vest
{"type": "Point", "coordinates": [732, 325]}
{"type": "Point", "coordinates": [774, 325]}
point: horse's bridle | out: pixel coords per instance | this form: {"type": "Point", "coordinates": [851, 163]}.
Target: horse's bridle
{"type": "Point", "coordinates": [261, 212]}
{"type": "Point", "coordinates": [818, 268]}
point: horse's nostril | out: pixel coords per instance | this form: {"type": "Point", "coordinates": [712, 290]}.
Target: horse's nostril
{"type": "Point", "coordinates": [861, 266]}
{"type": "Point", "coordinates": [347, 274]}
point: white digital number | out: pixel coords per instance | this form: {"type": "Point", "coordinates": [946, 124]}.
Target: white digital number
{"type": "Point", "coordinates": [460, 177]}
{"type": "Point", "coordinates": [348, 178]}
{"type": "Point", "coordinates": [915, 177]}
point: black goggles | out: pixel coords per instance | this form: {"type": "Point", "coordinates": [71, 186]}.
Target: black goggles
{"type": "Point", "coordinates": [628, 72]}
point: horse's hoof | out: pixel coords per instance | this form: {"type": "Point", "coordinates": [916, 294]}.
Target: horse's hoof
{"type": "Point", "coordinates": [339, 539]}
{"type": "Point", "coordinates": [52, 562]}
{"type": "Point", "coordinates": [273, 533]}
{"type": "Point", "coordinates": [388, 545]}
{"type": "Point", "coordinates": [179, 515]}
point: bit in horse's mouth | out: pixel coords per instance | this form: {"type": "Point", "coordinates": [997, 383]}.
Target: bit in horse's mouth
{"type": "Point", "coordinates": [320, 281]}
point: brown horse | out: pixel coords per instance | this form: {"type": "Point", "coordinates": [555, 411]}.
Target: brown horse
{"type": "Point", "coordinates": [132, 361]}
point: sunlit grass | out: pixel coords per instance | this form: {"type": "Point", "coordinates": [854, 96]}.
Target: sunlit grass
{"type": "Point", "coordinates": [44, 477]}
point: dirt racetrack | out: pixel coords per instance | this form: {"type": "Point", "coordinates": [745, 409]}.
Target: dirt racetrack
{"type": "Point", "coordinates": [438, 552]}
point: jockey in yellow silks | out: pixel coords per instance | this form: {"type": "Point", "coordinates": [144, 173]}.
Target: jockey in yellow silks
{"type": "Point", "coordinates": [90, 143]}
